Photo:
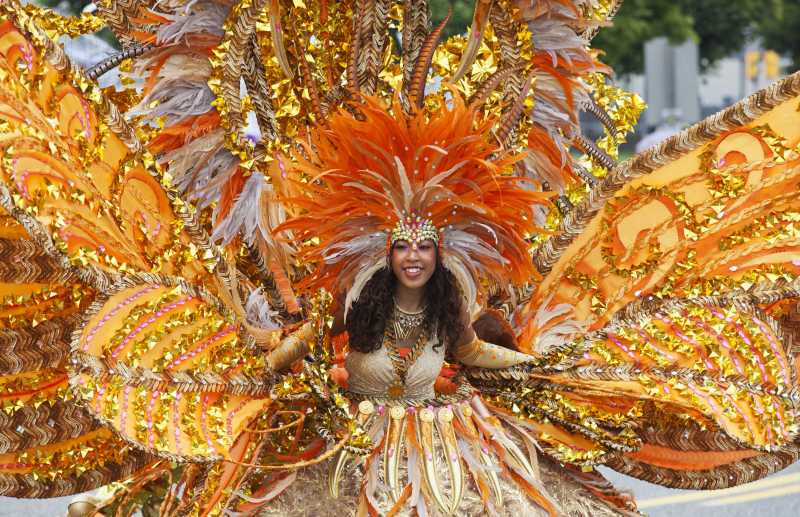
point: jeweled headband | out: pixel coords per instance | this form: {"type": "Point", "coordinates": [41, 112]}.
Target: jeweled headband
{"type": "Point", "coordinates": [414, 229]}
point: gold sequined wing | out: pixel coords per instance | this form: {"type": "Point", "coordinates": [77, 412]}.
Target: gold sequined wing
{"type": "Point", "coordinates": [674, 280]}
{"type": "Point", "coordinates": [157, 365]}
{"type": "Point", "coordinates": [73, 172]}
{"type": "Point", "coordinates": [688, 393]}
{"type": "Point", "coordinates": [49, 445]}
{"type": "Point", "coordinates": [166, 365]}
{"type": "Point", "coordinates": [711, 210]}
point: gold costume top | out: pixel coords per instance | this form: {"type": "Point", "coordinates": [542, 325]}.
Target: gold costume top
{"type": "Point", "coordinates": [166, 273]}
{"type": "Point", "coordinates": [372, 374]}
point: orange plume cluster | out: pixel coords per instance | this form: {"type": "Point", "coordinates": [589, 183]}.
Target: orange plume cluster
{"type": "Point", "coordinates": [362, 173]}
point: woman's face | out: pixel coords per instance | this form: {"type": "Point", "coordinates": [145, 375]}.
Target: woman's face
{"type": "Point", "coordinates": [413, 266]}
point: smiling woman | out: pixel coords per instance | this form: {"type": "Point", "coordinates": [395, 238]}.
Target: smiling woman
{"type": "Point", "coordinates": [414, 265]}
{"type": "Point", "coordinates": [311, 325]}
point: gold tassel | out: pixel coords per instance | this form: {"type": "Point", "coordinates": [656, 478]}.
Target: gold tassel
{"type": "Point", "coordinates": [520, 458]}
{"type": "Point", "coordinates": [425, 426]}
{"type": "Point", "coordinates": [392, 449]}
{"type": "Point", "coordinates": [366, 411]}
{"type": "Point", "coordinates": [337, 469]}
{"type": "Point", "coordinates": [453, 458]}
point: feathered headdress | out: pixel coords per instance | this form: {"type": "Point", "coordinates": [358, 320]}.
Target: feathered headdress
{"type": "Point", "coordinates": [379, 169]}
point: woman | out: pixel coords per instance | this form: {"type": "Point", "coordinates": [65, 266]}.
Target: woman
{"type": "Point", "coordinates": [409, 319]}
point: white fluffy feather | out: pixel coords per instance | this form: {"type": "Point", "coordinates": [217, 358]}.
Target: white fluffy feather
{"type": "Point", "coordinates": [245, 215]}
{"type": "Point", "coordinates": [258, 311]}
{"type": "Point", "coordinates": [205, 17]}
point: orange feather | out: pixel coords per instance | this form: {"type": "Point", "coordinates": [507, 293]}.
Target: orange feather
{"type": "Point", "coordinates": [359, 175]}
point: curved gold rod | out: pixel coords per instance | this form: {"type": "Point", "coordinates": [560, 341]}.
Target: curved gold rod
{"type": "Point", "coordinates": [425, 427]}
{"type": "Point", "coordinates": [447, 435]}
{"type": "Point", "coordinates": [366, 414]}
{"type": "Point", "coordinates": [335, 475]}
{"type": "Point", "coordinates": [276, 33]}
{"type": "Point", "coordinates": [393, 445]}
{"type": "Point", "coordinates": [479, 19]}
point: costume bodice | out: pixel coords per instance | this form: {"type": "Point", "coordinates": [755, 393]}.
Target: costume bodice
{"type": "Point", "coordinates": [372, 374]}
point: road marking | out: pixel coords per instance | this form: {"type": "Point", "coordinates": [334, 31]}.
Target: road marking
{"type": "Point", "coordinates": [755, 496]}
{"type": "Point", "coordinates": [714, 494]}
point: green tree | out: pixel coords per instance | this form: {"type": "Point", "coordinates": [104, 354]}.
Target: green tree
{"type": "Point", "coordinates": [460, 19]}
{"type": "Point", "coordinates": [721, 27]}
{"type": "Point", "coordinates": [780, 32]}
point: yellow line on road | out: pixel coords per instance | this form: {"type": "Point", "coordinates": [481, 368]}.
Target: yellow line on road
{"type": "Point", "coordinates": [755, 496]}
{"type": "Point", "coordinates": [713, 494]}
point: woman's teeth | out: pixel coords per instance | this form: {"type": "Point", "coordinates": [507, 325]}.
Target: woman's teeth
{"type": "Point", "coordinates": [412, 270]}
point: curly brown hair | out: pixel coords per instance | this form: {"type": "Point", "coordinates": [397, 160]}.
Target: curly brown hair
{"type": "Point", "coordinates": [366, 320]}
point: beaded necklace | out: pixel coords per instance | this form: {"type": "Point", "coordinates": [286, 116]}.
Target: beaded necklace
{"type": "Point", "coordinates": [395, 332]}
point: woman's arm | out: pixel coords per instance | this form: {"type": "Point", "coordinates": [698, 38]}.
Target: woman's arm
{"type": "Point", "coordinates": [295, 345]}
{"type": "Point", "coordinates": [473, 351]}
{"type": "Point", "coordinates": [486, 355]}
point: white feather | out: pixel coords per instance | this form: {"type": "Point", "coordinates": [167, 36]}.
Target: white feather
{"type": "Point", "coordinates": [372, 481]}
{"type": "Point", "coordinates": [258, 311]}
{"type": "Point", "coordinates": [464, 278]}
{"type": "Point", "coordinates": [550, 334]}
{"type": "Point", "coordinates": [414, 476]}
{"type": "Point", "coordinates": [197, 17]}
{"type": "Point", "coordinates": [245, 215]}
{"type": "Point", "coordinates": [405, 185]}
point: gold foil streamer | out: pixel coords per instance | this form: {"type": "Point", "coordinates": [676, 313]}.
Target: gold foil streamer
{"type": "Point", "coordinates": [55, 25]}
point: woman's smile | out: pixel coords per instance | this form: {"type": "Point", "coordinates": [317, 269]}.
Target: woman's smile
{"type": "Point", "coordinates": [412, 271]}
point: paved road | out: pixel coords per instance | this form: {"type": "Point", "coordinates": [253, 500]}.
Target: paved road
{"type": "Point", "coordinates": [776, 496]}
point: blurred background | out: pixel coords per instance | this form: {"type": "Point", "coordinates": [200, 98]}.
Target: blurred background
{"type": "Point", "coordinates": [687, 59]}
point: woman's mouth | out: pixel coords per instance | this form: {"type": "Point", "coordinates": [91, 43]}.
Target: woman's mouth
{"type": "Point", "coordinates": [412, 271]}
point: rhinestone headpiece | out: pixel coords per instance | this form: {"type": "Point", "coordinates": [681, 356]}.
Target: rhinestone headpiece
{"type": "Point", "coordinates": [414, 229]}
